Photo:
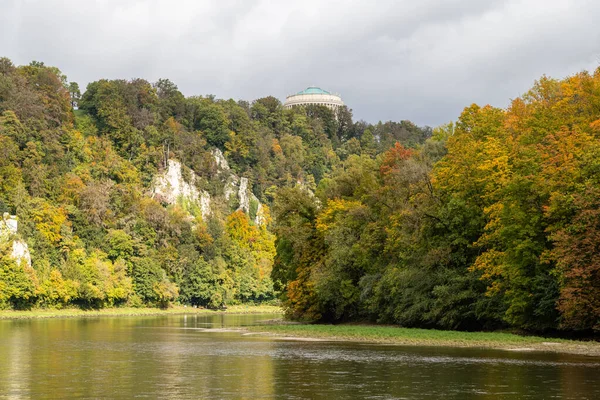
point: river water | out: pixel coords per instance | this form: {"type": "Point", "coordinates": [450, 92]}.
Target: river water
{"type": "Point", "coordinates": [175, 357]}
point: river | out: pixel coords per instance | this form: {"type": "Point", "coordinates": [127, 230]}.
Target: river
{"type": "Point", "coordinates": [175, 357]}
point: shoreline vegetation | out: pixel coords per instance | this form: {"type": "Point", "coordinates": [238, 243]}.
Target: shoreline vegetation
{"type": "Point", "coordinates": [41, 313]}
{"type": "Point", "coordinates": [426, 337]}
{"type": "Point", "coordinates": [145, 197]}
{"type": "Point", "coordinates": [373, 334]}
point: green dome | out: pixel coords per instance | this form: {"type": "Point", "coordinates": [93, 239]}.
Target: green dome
{"type": "Point", "coordinates": [313, 90]}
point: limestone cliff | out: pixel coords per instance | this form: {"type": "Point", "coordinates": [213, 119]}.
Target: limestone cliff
{"type": "Point", "coordinates": [170, 186]}
{"type": "Point", "coordinates": [234, 185]}
{"type": "Point", "coordinates": [8, 233]}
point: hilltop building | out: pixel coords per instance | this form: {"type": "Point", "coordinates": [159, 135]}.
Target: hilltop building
{"type": "Point", "coordinates": [314, 95]}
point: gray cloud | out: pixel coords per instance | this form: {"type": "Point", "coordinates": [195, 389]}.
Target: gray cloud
{"type": "Point", "coordinates": [422, 61]}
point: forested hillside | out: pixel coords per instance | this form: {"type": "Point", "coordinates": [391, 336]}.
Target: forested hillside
{"type": "Point", "coordinates": [493, 222]}
{"type": "Point", "coordinates": [141, 196]}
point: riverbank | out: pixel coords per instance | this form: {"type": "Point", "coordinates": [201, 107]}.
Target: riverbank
{"type": "Point", "coordinates": [352, 333]}
{"type": "Point", "coordinates": [427, 337]}
{"type": "Point", "coordinates": [130, 311]}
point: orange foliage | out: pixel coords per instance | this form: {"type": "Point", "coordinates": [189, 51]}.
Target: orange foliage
{"type": "Point", "coordinates": [393, 157]}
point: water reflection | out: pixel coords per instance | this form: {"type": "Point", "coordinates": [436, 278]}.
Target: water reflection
{"type": "Point", "coordinates": [174, 357]}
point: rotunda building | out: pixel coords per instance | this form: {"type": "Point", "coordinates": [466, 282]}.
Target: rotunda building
{"type": "Point", "coordinates": [314, 95]}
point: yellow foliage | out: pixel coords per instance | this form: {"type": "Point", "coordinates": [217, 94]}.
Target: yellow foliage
{"type": "Point", "coordinates": [56, 290]}
{"type": "Point", "coordinates": [334, 207]}
{"type": "Point", "coordinates": [48, 219]}
{"type": "Point", "coordinates": [72, 187]}
{"type": "Point", "coordinates": [276, 148]}
{"type": "Point", "coordinates": [258, 240]}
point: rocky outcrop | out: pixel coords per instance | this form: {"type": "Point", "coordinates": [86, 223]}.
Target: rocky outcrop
{"type": "Point", "coordinates": [170, 187]}
{"type": "Point", "coordinates": [220, 159]}
{"type": "Point", "coordinates": [20, 251]}
{"type": "Point", "coordinates": [8, 232]}
{"type": "Point", "coordinates": [260, 215]}
{"type": "Point", "coordinates": [205, 204]}
{"type": "Point", "coordinates": [231, 186]}
{"type": "Point", "coordinates": [243, 196]}
{"type": "Point", "coordinates": [234, 185]}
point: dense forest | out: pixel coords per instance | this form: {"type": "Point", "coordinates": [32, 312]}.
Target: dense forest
{"type": "Point", "coordinates": [492, 221]}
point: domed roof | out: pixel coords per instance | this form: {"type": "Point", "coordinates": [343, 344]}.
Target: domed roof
{"type": "Point", "coordinates": [313, 90]}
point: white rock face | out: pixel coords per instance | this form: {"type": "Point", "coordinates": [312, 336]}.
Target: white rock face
{"type": "Point", "coordinates": [12, 224]}
{"type": "Point", "coordinates": [234, 185]}
{"type": "Point", "coordinates": [20, 252]}
{"type": "Point", "coordinates": [260, 216]}
{"type": "Point", "coordinates": [171, 186]}
{"type": "Point", "coordinates": [220, 160]}
{"type": "Point", "coordinates": [205, 204]}
{"type": "Point", "coordinates": [243, 196]}
{"type": "Point", "coordinates": [231, 186]}
{"type": "Point", "coordinates": [8, 228]}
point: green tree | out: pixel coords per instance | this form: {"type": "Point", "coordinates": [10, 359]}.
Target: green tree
{"type": "Point", "coordinates": [75, 93]}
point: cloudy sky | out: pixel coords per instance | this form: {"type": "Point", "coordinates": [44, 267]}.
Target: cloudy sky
{"type": "Point", "coordinates": [390, 60]}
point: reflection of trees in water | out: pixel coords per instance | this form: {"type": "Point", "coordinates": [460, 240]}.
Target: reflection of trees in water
{"type": "Point", "coordinates": [154, 357]}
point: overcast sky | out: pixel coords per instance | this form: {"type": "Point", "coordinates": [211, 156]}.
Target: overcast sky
{"type": "Point", "coordinates": [420, 60]}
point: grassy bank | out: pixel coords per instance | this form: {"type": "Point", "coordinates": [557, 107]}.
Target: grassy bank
{"type": "Point", "coordinates": [356, 333]}
{"type": "Point", "coordinates": [427, 337]}
{"type": "Point", "coordinates": [129, 311]}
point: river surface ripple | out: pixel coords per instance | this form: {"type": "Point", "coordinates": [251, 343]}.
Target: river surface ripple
{"type": "Point", "coordinates": [175, 357]}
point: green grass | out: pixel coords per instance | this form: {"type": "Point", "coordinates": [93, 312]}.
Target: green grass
{"type": "Point", "coordinates": [386, 333]}
{"type": "Point", "coordinates": [346, 332]}
{"type": "Point", "coordinates": [129, 311]}
{"type": "Point", "coordinates": [430, 337]}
